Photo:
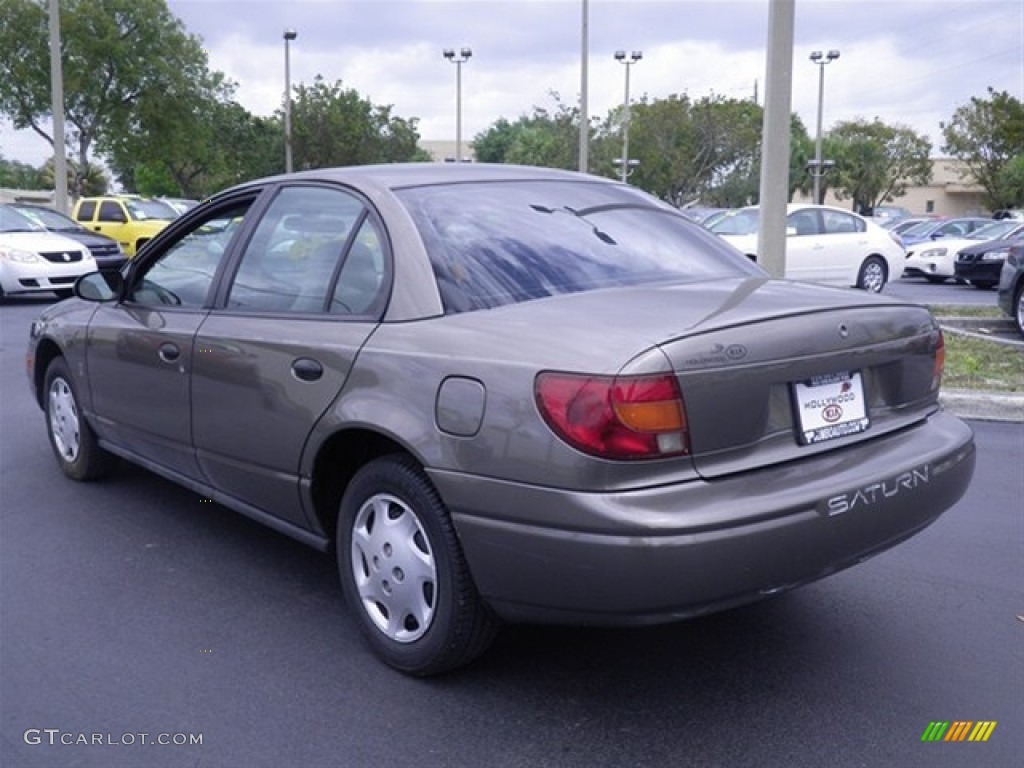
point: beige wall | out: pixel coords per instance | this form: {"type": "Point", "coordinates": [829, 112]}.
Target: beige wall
{"type": "Point", "coordinates": [947, 194]}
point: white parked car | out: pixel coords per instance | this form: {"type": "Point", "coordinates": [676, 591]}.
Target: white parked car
{"type": "Point", "coordinates": [935, 260]}
{"type": "Point", "coordinates": [824, 245]}
{"type": "Point", "coordinates": [33, 260]}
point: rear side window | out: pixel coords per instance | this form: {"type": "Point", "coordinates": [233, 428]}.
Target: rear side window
{"type": "Point", "coordinates": [838, 223]}
{"type": "Point", "coordinates": [500, 243]}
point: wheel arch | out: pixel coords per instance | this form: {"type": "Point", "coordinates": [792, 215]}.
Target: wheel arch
{"type": "Point", "coordinates": [47, 350]}
{"type": "Point", "coordinates": [336, 462]}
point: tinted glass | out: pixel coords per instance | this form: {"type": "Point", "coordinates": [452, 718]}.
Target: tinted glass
{"type": "Point", "coordinates": [290, 263]}
{"type": "Point", "coordinates": [995, 230]}
{"type": "Point", "coordinates": [803, 223]}
{"type": "Point", "coordinates": [838, 223]}
{"type": "Point", "coordinates": [47, 218]}
{"type": "Point", "coordinates": [86, 210]}
{"type": "Point", "coordinates": [111, 211]}
{"type": "Point", "coordinates": [183, 274]}
{"type": "Point", "coordinates": [500, 243]}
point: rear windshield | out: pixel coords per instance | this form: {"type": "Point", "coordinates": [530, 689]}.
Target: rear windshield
{"type": "Point", "coordinates": [498, 243]}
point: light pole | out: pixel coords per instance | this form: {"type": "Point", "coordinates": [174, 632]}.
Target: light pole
{"type": "Point", "coordinates": [458, 61]}
{"type": "Point", "coordinates": [584, 114]}
{"type": "Point", "coordinates": [634, 57]}
{"type": "Point", "coordinates": [289, 35]}
{"type": "Point", "coordinates": [818, 168]}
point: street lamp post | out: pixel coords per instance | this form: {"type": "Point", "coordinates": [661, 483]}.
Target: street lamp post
{"type": "Point", "coordinates": [819, 168]}
{"type": "Point", "coordinates": [458, 61]}
{"type": "Point", "coordinates": [634, 57]}
{"type": "Point", "coordinates": [289, 35]}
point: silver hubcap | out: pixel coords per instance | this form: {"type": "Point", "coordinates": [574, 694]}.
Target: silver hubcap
{"type": "Point", "coordinates": [874, 277]}
{"type": "Point", "coordinates": [394, 568]}
{"type": "Point", "coordinates": [1020, 311]}
{"type": "Point", "coordinates": [64, 420]}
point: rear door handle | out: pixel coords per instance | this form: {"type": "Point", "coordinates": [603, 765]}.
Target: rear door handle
{"type": "Point", "coordinates": [168, 352]}
{"type": "Point", "coordinates": [307, 369]}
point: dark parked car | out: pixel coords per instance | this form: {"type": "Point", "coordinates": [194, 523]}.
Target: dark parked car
{"type": "Point", "coordinates": [104, 250]}
{"type": "Point", "coordinates": [1011, 285]}
{"type": "Point", "coordinates": [503, 393]}
{"type": "Point", "coordinates": [981, 264]}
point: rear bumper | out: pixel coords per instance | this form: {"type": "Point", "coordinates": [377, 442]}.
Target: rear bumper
{"type": "Point", "coordinates": [659, 554]}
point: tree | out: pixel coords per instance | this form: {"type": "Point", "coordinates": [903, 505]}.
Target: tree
{"type": "Point", "coordinates": [987, 134]}
{"type": "Point", "coordinates": [114, 53]}
{"type": "Point", "coordinates": [876, 162]}
{"type": "Point", "coordinates": [16, 175]}
{"type": "Point", "coordinates": [333, 125]}
{"type": "Point", "coordinates": [543, 138]}
{"type": "Point", "coordinates": [92, 181]}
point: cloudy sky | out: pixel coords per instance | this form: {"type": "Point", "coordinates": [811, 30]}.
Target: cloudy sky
{"type": "Point", "coordinates": [911, 62]}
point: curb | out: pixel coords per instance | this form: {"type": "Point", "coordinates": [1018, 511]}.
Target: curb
{"type": "Point", "coordinates": [983, 405]}
{"type": "Point", "coordinates": [996, 330]}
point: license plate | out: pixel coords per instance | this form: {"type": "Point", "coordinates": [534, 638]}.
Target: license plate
{"type": "Point", "coordinates": [830, 406]}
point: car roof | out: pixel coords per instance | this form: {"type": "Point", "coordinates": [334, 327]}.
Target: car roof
{"type": "Point", "coordinates": [402, 175]}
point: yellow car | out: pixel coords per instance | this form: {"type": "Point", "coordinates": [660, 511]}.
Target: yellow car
{"type": "Point", "coordinates": [130, 220]}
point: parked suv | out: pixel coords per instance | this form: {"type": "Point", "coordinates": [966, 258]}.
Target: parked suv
{"type": "Point", "coordinates": [132, 221]}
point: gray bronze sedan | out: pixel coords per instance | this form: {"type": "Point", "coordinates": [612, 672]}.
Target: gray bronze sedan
{"type": "Point", "coordinates": [505, 394]}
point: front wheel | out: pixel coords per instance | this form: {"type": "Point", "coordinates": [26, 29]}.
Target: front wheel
{"type": "Point", "coordinates": [72, 439]}
{"type": "Point", "coordinates": [1018, 314]}
{"type": "Point", "coordinates": [873, 274]}
{"type": "Point", "coordinates": [404, 574]}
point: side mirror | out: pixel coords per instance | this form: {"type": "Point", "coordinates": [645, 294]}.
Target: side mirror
{"type": "Point", "coordinates": [105, 285]}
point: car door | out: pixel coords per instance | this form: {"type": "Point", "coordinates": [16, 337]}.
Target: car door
{"type": "Point", "coordinates": [111, 220]}
{"type": "Point", "coordinates": [805, 250]}
{"type": "Point", "coordinates": [140, 349]}
{"type": "Point", "coordinates": [847, 245]}
{"type": "Point", "coordinates": [307, 291]}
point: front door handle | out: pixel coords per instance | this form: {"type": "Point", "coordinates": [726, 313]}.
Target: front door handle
{"type": "Point", "coordinates": [307, 369]}
{"type": "Point", "coordinates": [168, 352]}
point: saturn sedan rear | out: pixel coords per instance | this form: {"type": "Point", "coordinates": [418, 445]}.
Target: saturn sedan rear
{"type": "Point", "coordinates": [505, 394]}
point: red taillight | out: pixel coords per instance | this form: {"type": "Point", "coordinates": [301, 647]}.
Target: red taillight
{"type": "Point", "coordinates": [940, 362]}
{"type": "Point", "coordinates": [615, 417]}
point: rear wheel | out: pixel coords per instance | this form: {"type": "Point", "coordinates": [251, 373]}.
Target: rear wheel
{"type": "Point", "coordinates": [404, 574]}
{"type": "Point", "coordinates": [72, 439]}
{"type": "Point", "coordinates": [873, 274]}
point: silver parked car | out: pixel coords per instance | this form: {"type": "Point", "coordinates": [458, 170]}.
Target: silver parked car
{"type": "Point", "coordinates": [502, 393]}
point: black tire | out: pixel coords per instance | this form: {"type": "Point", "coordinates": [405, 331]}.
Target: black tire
{"type": "Point", "coordinates": [983, 285]}
{"type": "Point", "coordinates": [64, 293]}
{"type": "Point", "coordinates": [71, 438]}
{"type": "Point", "coordinates": [935, 278]}
{"type": "Point", "coordinates": [873, 274]}
{"type": "Point", "coordinates": [409, 585]}
{"type": "Point", "coordinates": [1018, 309]}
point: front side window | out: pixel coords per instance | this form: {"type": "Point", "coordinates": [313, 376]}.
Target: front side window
{"type": "Point", "coordinates": [182, 275]}
{"type": "Point", "coordinates": [302, 244]}
{"type": "Point", "coordinates": [505, 242]}
{"type": "Point", "coordinates": [111, 210]}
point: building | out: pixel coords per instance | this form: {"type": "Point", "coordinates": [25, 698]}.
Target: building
{"type": "Point", "coordinates": [948, 194]}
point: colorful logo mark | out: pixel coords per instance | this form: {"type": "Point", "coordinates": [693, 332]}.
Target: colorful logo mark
{"type": "Point", "coordinates": [959, 730]}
